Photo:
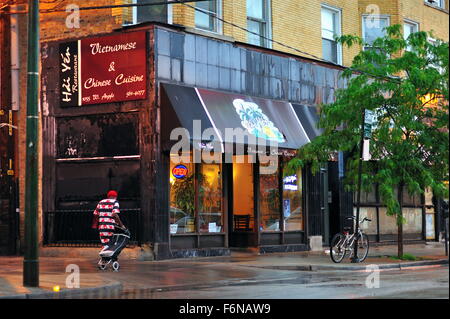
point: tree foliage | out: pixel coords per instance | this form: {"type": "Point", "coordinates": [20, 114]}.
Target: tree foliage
{"type": "Point", "coordinates": [405, 82]}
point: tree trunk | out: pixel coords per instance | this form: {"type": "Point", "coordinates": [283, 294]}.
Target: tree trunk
{"type": "Point", "coordinates": [400, 222]}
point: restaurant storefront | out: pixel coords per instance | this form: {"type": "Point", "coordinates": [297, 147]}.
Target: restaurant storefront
{"type": "Point", "coordinates": [193, 132]}
{"type": "Point", "coordinates": [227, 186]}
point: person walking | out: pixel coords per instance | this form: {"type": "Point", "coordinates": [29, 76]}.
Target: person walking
{"type": "Point", "coordinates": [106, 217]}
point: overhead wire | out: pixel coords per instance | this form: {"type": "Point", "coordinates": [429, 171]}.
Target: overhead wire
{"type": "Point", "coordinates": [186, 3]}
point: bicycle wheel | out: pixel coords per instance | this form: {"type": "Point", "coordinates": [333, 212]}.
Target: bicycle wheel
{"type": "Point", "coordinates": [363, 247]}
{"type": "Point", "coordinates": [337, 249]}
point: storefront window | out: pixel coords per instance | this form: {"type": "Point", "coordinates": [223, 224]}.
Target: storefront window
{"type": "Point", "coordinates": [195, 194]}
{"type": "Point", "coordinates": [269, 198]}
{"type": "Point", "coordinates": [210, 198]}
{"type": "Point", "coordinates": [292, 202]}
{"type": "Point", "coordinates": [182, 195]}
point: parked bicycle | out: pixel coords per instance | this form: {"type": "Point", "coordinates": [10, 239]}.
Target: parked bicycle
{"type": "Point", "coordinates": [343, 243]}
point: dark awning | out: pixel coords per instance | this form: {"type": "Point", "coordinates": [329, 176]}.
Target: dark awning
{"type": "Point", "coordinates": [263, 121]}
{"type": "Point", "coordinates": [309, 117]}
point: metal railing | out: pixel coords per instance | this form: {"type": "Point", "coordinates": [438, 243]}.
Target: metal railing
{"type": "Point", "coordinates": [72, 228]}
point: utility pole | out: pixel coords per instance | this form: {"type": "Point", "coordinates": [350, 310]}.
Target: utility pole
{"type": "Point", "coordinates": [31, 258]}
{"type": "Point", "coordinates": [366, 134]}
{"type": "Point", "coordinates": [355, 258]}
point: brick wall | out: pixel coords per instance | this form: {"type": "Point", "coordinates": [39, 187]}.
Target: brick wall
{"type": "Point", "coordinates": [53, 27]}
{"type": "Point", "coordinates": [429, 18]}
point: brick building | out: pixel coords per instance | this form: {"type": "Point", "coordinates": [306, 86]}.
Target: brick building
{"type": "Point", "coordinates": [299, 29]}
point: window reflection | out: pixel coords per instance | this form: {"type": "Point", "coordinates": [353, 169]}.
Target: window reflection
{"type": "Point", "coordinates": [188, 186]}
{"type": "Point", "coordinates": [182, 195]}
{"type": "Point", "coordinates": [292, 202]}
{"type": "Point", "coordinates": [269, 199]}
{"type": "Point", "coordinates": [210, 198]}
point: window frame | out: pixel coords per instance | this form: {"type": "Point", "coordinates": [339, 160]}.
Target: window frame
{"type": "Point", "coordinates": [338, 32]}
{"type": "Point", "coordinates": [197, 167]}
{"type": "Point", "coordinates": [440, 4]}
{"type": "Point", "coordinates": [218, 22]}
{"type": "Point", "coordinates": [267, 21]}
{"type": "Point", "coordinates": [363, 28]}
{"type": "Point", "coordinates": [434, 41]}
{"type": "Point", "coordinates": [281, 221]}
{"type": "Point", "coordinates": [135, 8]}
{"type": "Point", "coordinates": [410, 22]}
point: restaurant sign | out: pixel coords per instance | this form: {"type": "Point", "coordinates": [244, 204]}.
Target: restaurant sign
{"type": "Point", "coordinates": [103, 69]}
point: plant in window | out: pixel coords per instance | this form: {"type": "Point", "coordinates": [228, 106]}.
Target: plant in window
{"type": "Point", "coordinates": [184, 193]}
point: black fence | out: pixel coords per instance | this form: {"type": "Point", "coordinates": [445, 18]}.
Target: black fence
{"type": "Point", "coordinates": [73, 227]}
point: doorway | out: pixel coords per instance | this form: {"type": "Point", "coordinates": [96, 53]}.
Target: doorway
{"type": "Point", "coordinates": [242, 217]}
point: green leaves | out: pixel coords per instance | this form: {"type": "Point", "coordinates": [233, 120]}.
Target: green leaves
{"type": "Point", "coordinates": [406, 83]}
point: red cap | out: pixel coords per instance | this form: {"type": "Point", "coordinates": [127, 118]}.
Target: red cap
{"type": "Point", "coordinates": [112, 193]}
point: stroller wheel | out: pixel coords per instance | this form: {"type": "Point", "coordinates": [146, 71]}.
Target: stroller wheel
{"type": "Point", "coordinates": [102, 266]}
{"type": "Point", "coordinates": [116, 266]}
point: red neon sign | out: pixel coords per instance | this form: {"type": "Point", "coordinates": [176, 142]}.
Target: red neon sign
{"type": "Point", "coordinates": [179, 171]}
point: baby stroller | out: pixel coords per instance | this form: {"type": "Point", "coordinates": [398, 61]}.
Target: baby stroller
{"type": "Point", "coordinates": [109, 255]}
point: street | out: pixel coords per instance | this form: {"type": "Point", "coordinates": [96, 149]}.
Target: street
{"type": "Point", "coordinates": [423, 284]}
{"type": "Point", "coordinates": [240, 276]}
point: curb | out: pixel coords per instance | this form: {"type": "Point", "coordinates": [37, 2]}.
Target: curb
{"type": "Point", "coordinates": [400, 266]}
{"type": "Point", "coordinates": [103, 292]}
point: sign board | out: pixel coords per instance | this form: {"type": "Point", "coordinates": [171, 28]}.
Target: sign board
{"type": "Point", "coordinates": [286, 208]}
{"type": "Point", "coordinates": [212, 227]}
{"type": "Point", "coordinates": [368, 121]}
{"type": "Point", "coordinates": [173, 228]}
{"type": "Point", "coordinates": [180, 171]}
{"type": "Point", "coordinates": [369, 117]}
{"type": "Point", "coordinates": [366, 150]}
{"type": "Point", "coordinates": [103, 69]}
{"type": "Point", "coordinates": [430, 232]}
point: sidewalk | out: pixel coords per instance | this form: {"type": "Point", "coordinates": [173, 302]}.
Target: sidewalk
{"type": "Point", "coordinates": [139, 278]}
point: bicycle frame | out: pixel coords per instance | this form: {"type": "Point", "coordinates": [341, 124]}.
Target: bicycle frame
{"type": "Point", "coordinates": [349, 239]}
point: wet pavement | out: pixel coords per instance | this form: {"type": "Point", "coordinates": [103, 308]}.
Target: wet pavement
{"type": "Point", "coordinates": [397, 284]}
{"type": "Point", "coordinates": [241, 275]}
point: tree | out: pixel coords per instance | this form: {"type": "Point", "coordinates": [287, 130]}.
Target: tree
{"type": "Point", "coordinates": [405, 83]}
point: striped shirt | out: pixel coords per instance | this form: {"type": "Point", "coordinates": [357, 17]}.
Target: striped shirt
{"type": "Point", "coordinates": [105, 210]}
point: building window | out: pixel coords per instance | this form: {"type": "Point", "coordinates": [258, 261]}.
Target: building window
{"type": "Point", "coordinates": [280, 202]}
{"type": "Point", "coordinates": [206, 16]}
{"type": "Point", "coordinates": [331, 28]}
{"type": "Point", "coordinates": [436, 3]}
{"type": "Point", "coordinates": [373, 28]}
{"type": "Point", "coordinates": [408, 29]}
{"type": "Point", "coordinates": [139, 14]}
{"type": "Point", "coordinates": [210, 198]}
{"type": "Point", "coordinates": [432, 58]}
{"type": "Point", "coordinates": [258, 22]}
{"type": "Point", "coordinates": [293, 202]}
{"type": "Point", "coordinates": [269, 197]}
{"type": "Point", "coordinates": [195, 196]}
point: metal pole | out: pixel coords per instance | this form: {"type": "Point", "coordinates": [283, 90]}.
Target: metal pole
{"type": "Point", "coordinates": [446, 236]}
{"type": "Point", "coordinates": [358, 200]}
{"type": "Point", "coordinates": [31, 258]}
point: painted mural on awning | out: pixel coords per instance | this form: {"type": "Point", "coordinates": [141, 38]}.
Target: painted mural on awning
{"type": "Point", "coordinates": [289, 126]}
{"type": "Point", "coordinates": [270, 120]}
{"type": "Point", "coordinates": [103, 69]}
{"type": "Point", "coordinates": [256, 122]}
